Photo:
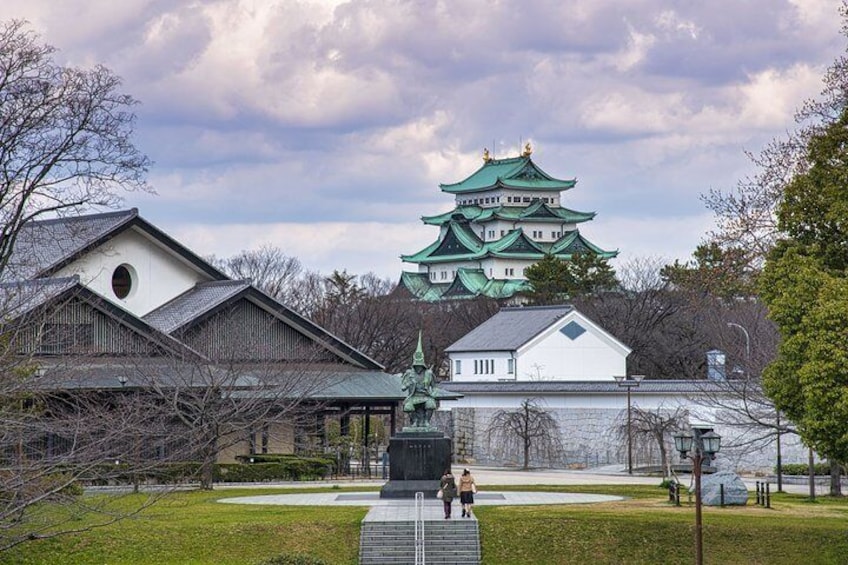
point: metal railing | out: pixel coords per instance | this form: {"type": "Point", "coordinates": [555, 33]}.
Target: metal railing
{"type": "Point", "coordinates": [419, 529]}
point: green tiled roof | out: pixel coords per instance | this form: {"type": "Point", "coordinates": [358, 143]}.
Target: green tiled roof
{"type": "Point", "coordinates": [537, 211]}
{"type": "Point", "coordinates": [469, 283]}
{"type": "Point", "coordinates": [461, 244]}
{"type": "Point", "coordinates": [517, 172]}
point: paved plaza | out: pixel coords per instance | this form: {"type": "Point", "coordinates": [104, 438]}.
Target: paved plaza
{"type": "Point", "coordinates": [383, 509]}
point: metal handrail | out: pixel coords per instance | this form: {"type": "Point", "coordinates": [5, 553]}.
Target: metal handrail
{"type": "Point", "coordinates": [419, 529]}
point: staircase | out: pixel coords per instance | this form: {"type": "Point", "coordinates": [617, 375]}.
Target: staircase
{"type": "Point", "coordinates": [455, 542]}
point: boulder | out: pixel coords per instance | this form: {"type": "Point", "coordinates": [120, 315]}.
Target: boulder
{"type": "Point", "coordinates": [735, 491]}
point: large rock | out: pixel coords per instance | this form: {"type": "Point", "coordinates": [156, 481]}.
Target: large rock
{"type": "Point", "coordinates": [735, 491]}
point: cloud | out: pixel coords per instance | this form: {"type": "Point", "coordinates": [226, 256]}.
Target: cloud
{"type": "Point", "coordinates": [271, 116]}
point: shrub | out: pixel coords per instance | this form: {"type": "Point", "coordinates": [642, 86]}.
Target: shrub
{"type": "Point", "coordinates": [804, 469]}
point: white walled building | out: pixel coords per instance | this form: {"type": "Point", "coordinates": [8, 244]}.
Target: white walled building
{"type": "Point", "coordinates": [543, 343]}
{"type": "Point", "coordinates": [557, 357]}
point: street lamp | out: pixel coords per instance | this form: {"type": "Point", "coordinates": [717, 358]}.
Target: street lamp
{"type": "Point", "coordinates": [703, 447]}
{"type": "Point", "coordinates": [629, 382]}
{"type": "Point", "coordinates": [747, 344]}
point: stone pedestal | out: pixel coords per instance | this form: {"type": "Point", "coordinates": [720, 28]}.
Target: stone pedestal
{"type": "Point", "coordinates": [417, 462]}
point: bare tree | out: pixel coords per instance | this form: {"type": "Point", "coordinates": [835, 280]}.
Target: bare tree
{"type": "Point", "coordinates": [65, 136]}
{"type": "Point", "coordinates": [659, 324]}
{"type": "Point", "coordinates": [248, 380]}
{"type": "Point", "coordinates": [65, 146]}
{"type": "Point", "coordinates": [655, 426]}
{"type": "Point", "coordinates": [529, 430]}
{"type": "Point", "coordinates": [268, 268]}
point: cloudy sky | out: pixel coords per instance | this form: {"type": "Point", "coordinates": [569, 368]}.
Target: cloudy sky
{"type": "Point", "coordinates": [324, 127]}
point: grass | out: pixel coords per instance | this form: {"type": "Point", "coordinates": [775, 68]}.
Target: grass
{"type": "Point", "coordinates": [192, 528]}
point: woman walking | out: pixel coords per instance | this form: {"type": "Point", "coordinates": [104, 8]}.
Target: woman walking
{"type": "Point", "coordinates": [467, 488]}
{"type": "Point", "coordinates": [447, 486]}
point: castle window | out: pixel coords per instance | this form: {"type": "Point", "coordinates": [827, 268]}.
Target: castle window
{"type": "Point", "coordinates": [510, 366]}
{"type": "Point", "coordinates": [458, 370]}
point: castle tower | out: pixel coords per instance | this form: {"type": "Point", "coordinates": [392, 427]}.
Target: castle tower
{"type": "Point", "coordinates": [508, 216]}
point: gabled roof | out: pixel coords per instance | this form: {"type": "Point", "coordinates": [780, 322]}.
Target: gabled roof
{"type": "Point", "coordinates": [25, 298]}
{"type": "Point", "coordinates": [420, 287]}
{"type": "Point", "coordinates": [206, 299]}
{"type": "Point", "coordinates": [459, 243]}
{"type": "Point", "coordinates": [537, 211]}
{"type": "Point", "coordinates": [468, 283]}
{"type": "Point", "coordinates": [510, 328]}
{"type": "Point", "coordinates": [193, 303]}
{"type": "Point", "coordinates": [20, 298]}
{"type": "Point", "coordinates": [573, 243]}
{"type": "Point", "coordinates": [517, 173]}
{"type": "Point", "coordinates": [45, 246]}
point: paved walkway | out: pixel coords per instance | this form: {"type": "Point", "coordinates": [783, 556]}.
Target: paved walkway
{"type": "Point", "coordinates": [499, 476]}
{"type": "Point", "coordinates": [387, 509]}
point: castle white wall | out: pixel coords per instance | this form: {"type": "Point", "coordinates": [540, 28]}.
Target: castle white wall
{"type": "Point", "coordinates": [590, 431]}
{"type": "Point", "coordinates": [158, 274]}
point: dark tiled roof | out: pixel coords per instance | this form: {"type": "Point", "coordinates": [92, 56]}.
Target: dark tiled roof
{"type": "Point", "coordinates": [648, 386]}
{"type": "Point", "coordinates": [193, 303]}
{"type": "Point", "coordinates": [369, 385]}
{"type": "Point", "coordinates": [19, 298]}
{"type": "Point", "coordinates": [510, 328]}
{"type": "Point", "coordinates": [330, 383]}
{"type": "Point", "coordinates": [42, 245]}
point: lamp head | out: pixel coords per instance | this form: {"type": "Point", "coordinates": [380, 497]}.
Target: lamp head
{"type": "Point", "coordinates": [683, 443]}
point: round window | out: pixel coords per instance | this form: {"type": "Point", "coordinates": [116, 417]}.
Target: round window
{"type": "Point", "coordinates": [122, 281]}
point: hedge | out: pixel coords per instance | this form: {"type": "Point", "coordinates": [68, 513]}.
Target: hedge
{"type": "Point", "coordinates": [288, 468]}
{"type": "Point", "coordinates": [804, 469]}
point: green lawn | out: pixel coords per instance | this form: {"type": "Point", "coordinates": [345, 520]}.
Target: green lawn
{"type": "Point", "coordinates": [191, 527]}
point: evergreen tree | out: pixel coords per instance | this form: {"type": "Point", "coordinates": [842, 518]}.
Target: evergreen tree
{"type": "Point", "coordinates": [805, 285]}
{"type": "Point", "coordinates": [556, 281]}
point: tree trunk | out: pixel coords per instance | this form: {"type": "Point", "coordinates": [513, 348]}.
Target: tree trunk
{"type": "Point", "coordinates": [664, 460]}
{"type": "Point", "coordinates": [835, 478]}
{"type": "Point", "coordinates": [526, 454]}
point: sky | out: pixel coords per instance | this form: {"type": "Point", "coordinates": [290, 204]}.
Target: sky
{"type": "Point", "coordinates": [325, 127]}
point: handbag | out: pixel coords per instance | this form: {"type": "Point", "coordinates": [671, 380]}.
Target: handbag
{"type": "Point", "coordinates": [440, 494]}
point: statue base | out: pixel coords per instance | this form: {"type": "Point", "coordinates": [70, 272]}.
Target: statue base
{"type": "Point", "coordinates": [418, 459]}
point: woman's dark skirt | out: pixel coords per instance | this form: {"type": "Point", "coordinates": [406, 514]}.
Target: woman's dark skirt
{"type": "Point", "coordinates": [466, 497]}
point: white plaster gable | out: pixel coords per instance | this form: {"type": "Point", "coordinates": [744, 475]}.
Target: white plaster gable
{"type": "Point", "coordinates": [594, 334]}
{"type": "Point", "coordinates": [159, 273]}
{"type": "Point", "coordinates": [521, 344]}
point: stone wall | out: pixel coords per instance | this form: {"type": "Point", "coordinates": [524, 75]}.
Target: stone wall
{"type": "Point", "coordinates": [591, 439]}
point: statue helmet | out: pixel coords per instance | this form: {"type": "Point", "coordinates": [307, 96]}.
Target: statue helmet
{"type": "Point", "coordinates": [418, 357]}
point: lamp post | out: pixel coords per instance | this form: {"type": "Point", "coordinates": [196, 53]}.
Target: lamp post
{"type": "Point", "coordinates": [629, 382]}
{"type": "Point", "coordinates": [703, 448]}
{"type": "Point", "coordinates": [747, 344]}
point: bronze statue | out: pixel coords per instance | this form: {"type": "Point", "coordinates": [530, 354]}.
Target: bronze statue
{"type": "Point", "coordinates": [420, 386]}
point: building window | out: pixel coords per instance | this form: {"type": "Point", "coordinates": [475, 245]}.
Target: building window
{"type": "Point", "coordinates": [503, 233]}
{"type": "Point", "coordinates": [553, 235]}
{"type": "Point", "coordinates": [458, 370]}
{"type": "Point", "coordinates": [476, 367]}
{"type": "Point", "coordinates": [491, 233]}
{"type": "Point", "coordinates": [510, 366]}
{"type": "Point", "coordinates": [122, 281]}
{"type": "Point", "coordinates": [526, 199]}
